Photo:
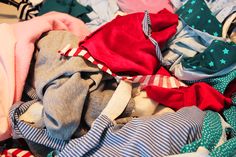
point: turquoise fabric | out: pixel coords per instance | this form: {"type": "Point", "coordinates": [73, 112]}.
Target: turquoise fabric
{"type": "Point", "coordinates": [71, 7]}
{"type": "Point", "coordinates": [197, 15]}
{"type": "Point", "coordinates": [211, 133]}
{"type": "Point", "coordinates": [218, 56]}
{"type": "Point", "coordinates": [219, 83]}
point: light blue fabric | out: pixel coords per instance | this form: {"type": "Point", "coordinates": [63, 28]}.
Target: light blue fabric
{"type": "Point", "coordinates": [103, 11]}
{"type": "Point", "coordinates": [187, 42]}
{"type": "Point", "coordinates": [148, 136]}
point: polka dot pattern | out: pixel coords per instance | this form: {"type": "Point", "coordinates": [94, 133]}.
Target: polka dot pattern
{"type": "Point", "coordinates": [218, 56]}
{"type": "Point", "coordinates": [197, 15]}
{"type": "Point", "coordinates": [219, 83]}
{"type": "Point", "coordinates": [211, 133]}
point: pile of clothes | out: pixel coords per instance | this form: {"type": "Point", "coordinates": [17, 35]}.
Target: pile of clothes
{"type": "Point", "coordinates": [120, 78]}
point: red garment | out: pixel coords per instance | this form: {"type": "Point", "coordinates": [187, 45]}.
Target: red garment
{"type": "Point", "coordinates": [200, 94]}
{"type": "Point", "coordinates": [122, 46]}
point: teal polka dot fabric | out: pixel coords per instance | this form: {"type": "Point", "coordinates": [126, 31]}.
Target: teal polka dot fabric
{"type": "Point", "coordinates": [198, 16]}
{"type": "Point", "coordinates": [230, 116]}
{"type": "Point", "coordinates": [227, 149]}
{"type": "Point", "coordinates": [211, 133]}
{"type": "Point", "coordinates": [218, 56]}
{"type": "Point", "coordinates": [219, 83]}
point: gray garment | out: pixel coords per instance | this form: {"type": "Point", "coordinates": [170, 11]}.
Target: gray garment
{"type": "Point", "coordinates": [103, 11]}
{"type": "Point", "coordinates": [187, 42]}
{"type": "Point", "coordinates": [63, 84]}
{"type": "Point", "coordinates": [220, 8]}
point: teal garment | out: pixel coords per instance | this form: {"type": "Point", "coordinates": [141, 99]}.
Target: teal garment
{"type": "Point", "coordinates": [197, 15]}
{"type": "Point", "coordinates": [71, 7]}
{"type": "Point", "coordinates": [228, 149]}
{"type": "Point", "coordinates": [230, 116]}
{"type": "Point", "coordinates": [212, 130]}
{"type": "Point", "coordinates": [211, 133]}
{"type": "Point", "coordinates": [218, 56]}
{"type": "Point", "coordinates": [219, 83]}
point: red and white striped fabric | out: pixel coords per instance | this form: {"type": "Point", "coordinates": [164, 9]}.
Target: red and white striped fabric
{"type": "Point", "coordinates": [16, 153]}
{"type": "Point", "coordinates": [147, 80]}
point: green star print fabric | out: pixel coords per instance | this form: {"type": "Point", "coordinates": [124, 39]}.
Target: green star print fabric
{"type": "Point", "coordinates": [218, 56]}
{"type": "Point", "coordinates": [198, 16]}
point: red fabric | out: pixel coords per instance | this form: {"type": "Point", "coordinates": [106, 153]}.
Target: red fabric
{"type": "Point", "coordinates": [122, 46]}
{"type": "Point", "coordinates": [163, 71]}
{"type": "Point", "coordinates": [200, 94]}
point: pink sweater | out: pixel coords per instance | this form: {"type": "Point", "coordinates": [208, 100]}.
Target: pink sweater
{"type": "Point", "coordinates": [153, 6]}
{"type": "Point", "coordinates": [16, 50]}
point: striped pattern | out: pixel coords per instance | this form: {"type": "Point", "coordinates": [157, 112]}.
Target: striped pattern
{"type": "Point", "coordinates": [147, 80]}
{"type": "Point", "coordinates": [147, 29]}
{"type": "Point", "coordinates": [16, 153]}
{"type": "Point", "coordinates": [149, 136]}
{"type": "Point", "coordinates": [26, 10]}
{"type": "Point", "coordinates": [26, 131]}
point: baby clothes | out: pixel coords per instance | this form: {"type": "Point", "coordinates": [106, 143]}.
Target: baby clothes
{"type": "Point", "coordinates": [152, 6]}
{"type": "Point", "coordinates": [149, 136]}
{"type": "Point", "coordinates": [197, 15]}
{"type": "Point", "coordinates": [218, 137]}
{"type": "Point", "coordinates": [132, 52]}
{"type": "Point", "coordinates": [65, 84]}
{"type": "Point", "coordinates": [219, 8]}
{"type": "Point", "coordinates": [103, 11]}
{"type": "Point", "coordinates": [200, 94]}
{"type": "Point", "coordinates": [221, 83]}
{"type": "Point", "coordinates": [187, 42]}
{"type": "Point", "coordinates": [218, 56]}
{"type": "Point", "coordinates": [7, 77]}
{"type": "Point", "coordinates": [71, 7]}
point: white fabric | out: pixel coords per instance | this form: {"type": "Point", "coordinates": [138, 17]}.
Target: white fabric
{"type": "Point", "coordinates": [118, 101]}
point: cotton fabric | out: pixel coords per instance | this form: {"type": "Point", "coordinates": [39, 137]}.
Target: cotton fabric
{"type": "Point", "coordinates": [152, 6]}
{"type": "Point", "coordinates": [154, 136]}
{"type": "Point", "coordinates": [200, 94]}
{"type": "Point", "coordinates": [143, 59]}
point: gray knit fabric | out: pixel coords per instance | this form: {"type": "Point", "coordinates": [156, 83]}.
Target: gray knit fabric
{"type": "Point", "coordinates": [64, 85]}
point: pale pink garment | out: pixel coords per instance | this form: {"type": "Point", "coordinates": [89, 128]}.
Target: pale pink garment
{"type": "Point", "coordinates": [153, 6]}
{"type": "Point", "coordinates": [16, 50]}
{"type": "Point", "coordinates": [7, 77]}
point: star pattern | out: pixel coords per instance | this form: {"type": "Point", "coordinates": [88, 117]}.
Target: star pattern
{"type": "Point", "coordinates": [211, 64]}
{"type": "Point", "coordinates": [194, 10]}
{"type": "Point", "coordinates": [190, 11]}
{"type": "Point", "coordinates": [226, 51]}
{"type": "Point", "coordinates": [215, 34]}
{"type": "Point", "coordinates": [193, 2]}
{"type": "Point", "coordinates": [222, 61]}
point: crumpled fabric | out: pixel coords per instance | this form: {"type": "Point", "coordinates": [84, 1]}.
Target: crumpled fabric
{"type": "Point", "coordinates": [126, 50]}
{"type": "Point", "coordinates": [103, 12]}
{"type": "Point", "coordinates": [152, 6]}
{"type": "Point", "coordinates": [200, 94]}
{"type": "Point", "coordinates": [17, 47]}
